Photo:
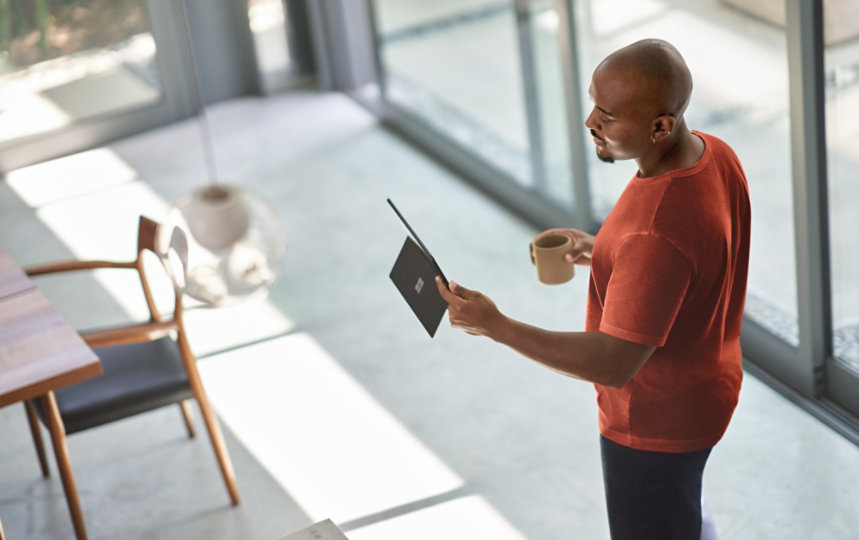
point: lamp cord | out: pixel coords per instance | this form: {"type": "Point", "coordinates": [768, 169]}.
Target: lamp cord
{"type": "Point", "coordinates": [203, 121]}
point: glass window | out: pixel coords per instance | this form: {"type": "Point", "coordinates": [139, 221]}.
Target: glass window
{"type": "Point", "coordinates": [739, 67]}
{"type": "Point", "coordinates": [455, 65]}
{"type": "Point", "coordinates": [267, 20]}
{"type": "Point", "coordinates": [486, 74]}
{"type": "Point", "coordinates": [282, 43]}
{"type": "Point", "coordinates": [64, 61]}
{"type": "Point", "coordinates": [841, 35]}
{"type": "Point", "coordinates": [551, 111]}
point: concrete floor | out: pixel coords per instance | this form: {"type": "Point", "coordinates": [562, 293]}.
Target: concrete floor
{"type": "Point", "coordinates": [334, 401]}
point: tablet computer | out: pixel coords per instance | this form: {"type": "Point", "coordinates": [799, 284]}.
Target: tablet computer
{"type": "Point", "coordinates": [414, 274]}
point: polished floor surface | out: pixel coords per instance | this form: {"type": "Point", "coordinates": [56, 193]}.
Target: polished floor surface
{"type": "Point", "coordinates": [334, 401]}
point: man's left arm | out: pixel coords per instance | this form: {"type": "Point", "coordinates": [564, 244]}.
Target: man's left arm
{"type": "Point", "coordinates": [595, 357]}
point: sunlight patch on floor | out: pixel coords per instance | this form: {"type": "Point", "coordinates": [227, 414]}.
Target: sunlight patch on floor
{"type": "Point", "coordinates": [328, 442]}
{"type": "Point", "coordinates": [70, 177]}
{"type": "Point", "coordinates": [216, 329]}
{"type": "Point", "coordinates": [465, 517]}
{"type": "Point", "coordinates": [104, 223]}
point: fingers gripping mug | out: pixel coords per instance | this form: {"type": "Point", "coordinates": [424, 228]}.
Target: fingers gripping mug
{"type": "Point", "coordinates": [547, 253]}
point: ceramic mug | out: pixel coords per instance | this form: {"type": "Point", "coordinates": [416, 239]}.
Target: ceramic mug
{"type": "Point", "coordinates": [547, 254]}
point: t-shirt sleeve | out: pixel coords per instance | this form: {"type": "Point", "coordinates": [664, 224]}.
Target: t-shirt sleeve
{"type": "Point", "coordinates": [648, 284]}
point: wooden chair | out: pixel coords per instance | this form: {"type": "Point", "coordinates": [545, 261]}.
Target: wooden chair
{"type": "Point", "coordinates": [146, 366]}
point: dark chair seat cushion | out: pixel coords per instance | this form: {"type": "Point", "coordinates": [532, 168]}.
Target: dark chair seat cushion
{"type": "Point", "coordinates": [137, 378]}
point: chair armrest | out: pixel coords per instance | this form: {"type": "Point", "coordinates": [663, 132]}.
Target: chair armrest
{"type": "Point", "coordinates": [69, 266]}
{"type": "Point", "coordinates": [125, 335]}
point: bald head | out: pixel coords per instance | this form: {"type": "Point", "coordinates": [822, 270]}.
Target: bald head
{"type": "Point", "coordinates": [656, 76]}
{"type": "Point", "coordinates": [640, 94]}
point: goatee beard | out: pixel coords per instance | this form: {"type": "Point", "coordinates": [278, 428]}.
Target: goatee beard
{"type": "Point", "coordinates": [605, 159]}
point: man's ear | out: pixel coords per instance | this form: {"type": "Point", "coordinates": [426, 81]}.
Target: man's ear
{"type": "Point", "coordinates": [663, 125]}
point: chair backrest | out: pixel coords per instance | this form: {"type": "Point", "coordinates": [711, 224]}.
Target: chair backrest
{"type": "Point", "coordinates": [147, 235]}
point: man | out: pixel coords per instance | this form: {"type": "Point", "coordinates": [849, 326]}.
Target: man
{"type": "Point", "coordinates": [665, 300]}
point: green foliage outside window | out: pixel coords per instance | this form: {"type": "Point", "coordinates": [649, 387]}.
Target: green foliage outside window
{"type": "Point", "coordinates": [32, 31]}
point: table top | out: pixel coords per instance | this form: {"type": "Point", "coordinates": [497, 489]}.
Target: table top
{"type": "Point", "coordinates": [39, 350]}
{"type": "Point", "coordinates": [12, 278]}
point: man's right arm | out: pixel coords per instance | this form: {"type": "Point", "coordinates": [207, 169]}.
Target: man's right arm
{"type": "Point", "coordinates": [595, 357]}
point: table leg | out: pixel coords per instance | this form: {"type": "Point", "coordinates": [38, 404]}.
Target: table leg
{"type": "Point", "coordinates": [58, 437]}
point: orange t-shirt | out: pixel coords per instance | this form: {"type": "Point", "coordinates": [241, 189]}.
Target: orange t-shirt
{"type": "Point", "coordinates": [669, 269]}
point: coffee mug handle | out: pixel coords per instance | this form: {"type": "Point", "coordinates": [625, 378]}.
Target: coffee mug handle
{"type": "Point", "coordinates": [531, 253]}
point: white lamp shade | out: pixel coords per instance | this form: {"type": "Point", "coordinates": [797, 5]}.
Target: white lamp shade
{"type": "Point", "coordinates": [222, 245]}
{"type": "Point", "coordinates": [217, 217]}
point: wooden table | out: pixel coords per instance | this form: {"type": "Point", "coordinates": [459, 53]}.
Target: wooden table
{"type": "Point", "coordinates": [39, 352]}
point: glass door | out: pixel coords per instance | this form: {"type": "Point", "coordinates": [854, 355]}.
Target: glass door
{"type": "Point", "coordinates": [485, 75]}
{"type": "Point", "coordinates": [74, 73]}
{"type": "Point", "coordinates": [841, 61]}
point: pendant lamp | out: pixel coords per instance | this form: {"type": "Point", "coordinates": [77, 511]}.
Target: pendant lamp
{"type": "Point", "coordinates": [221, 243]}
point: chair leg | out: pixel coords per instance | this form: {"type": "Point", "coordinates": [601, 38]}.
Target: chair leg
{"type": "Point", "coordinates": [61, 450]}
{"type": "Point", "coordinates": [210, 419]}
{"type": "Point", "coordinates": [188, 416]}
{"type": "Point", "coordinates": [219, 445]}
{"type": "Point", "coordinates": [36, 430]}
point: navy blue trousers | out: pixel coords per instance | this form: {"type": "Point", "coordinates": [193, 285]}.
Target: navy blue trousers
{"type": "Point", "coordinates": [652, 495]}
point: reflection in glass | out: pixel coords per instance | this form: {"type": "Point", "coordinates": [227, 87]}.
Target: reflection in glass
{"type": "Point", "coordinates": [62, 61]}
{"type": "Point", "coordinates": [739, 66]}
{"type": "Point", "coordinates": [842, 137]}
